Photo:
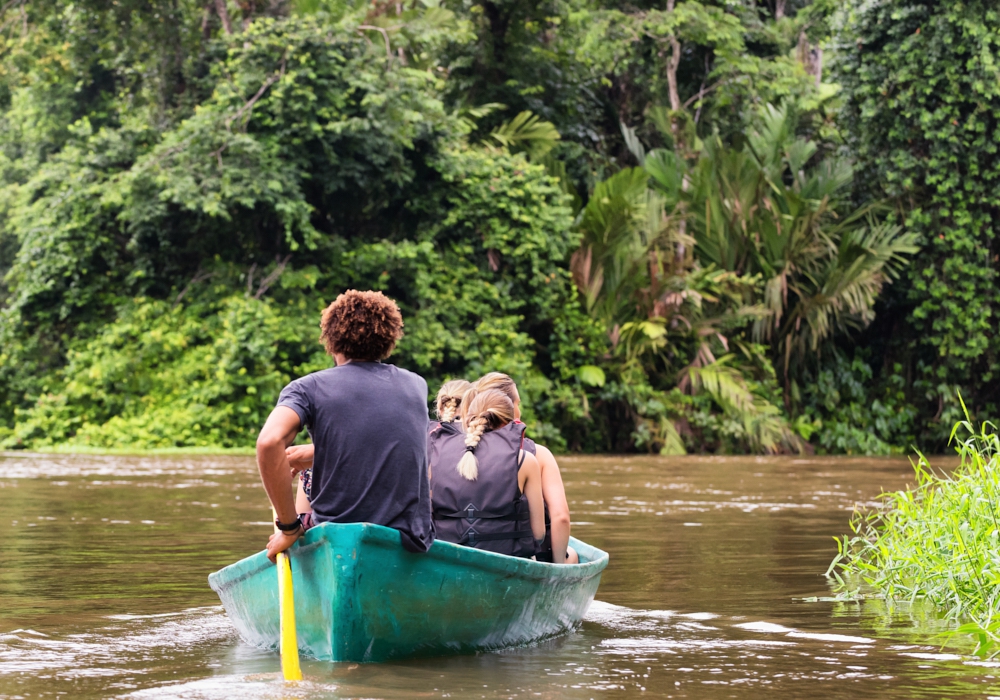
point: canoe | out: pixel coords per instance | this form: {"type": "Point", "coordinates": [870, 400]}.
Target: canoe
{"type": "Point", "coordinates": [359, 596]}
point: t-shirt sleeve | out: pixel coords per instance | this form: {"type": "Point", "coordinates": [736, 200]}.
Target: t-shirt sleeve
{"type": "Point", "coordinates": [297, 397]}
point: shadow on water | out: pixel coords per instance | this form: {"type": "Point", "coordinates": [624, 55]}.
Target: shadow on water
{"type": "Point", "coordinates": [714, 561]}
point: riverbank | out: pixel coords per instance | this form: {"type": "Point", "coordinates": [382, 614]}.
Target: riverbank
{"type": "Point", "coordinates": [127, 451]}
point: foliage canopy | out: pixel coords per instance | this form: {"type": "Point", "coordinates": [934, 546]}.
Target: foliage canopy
{"type": "Point", "coordinates": [667, 223]}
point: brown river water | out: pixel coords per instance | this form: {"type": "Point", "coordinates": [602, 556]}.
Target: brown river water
{"type": "Point", "coordinates": [715, 589]}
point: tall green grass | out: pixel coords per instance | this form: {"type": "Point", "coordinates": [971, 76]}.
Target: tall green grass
{"type": "Point", "coordinates": [938, 541]}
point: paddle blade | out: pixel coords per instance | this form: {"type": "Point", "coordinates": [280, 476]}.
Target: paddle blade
{"type": "Point", "coordinates": [286, 606]}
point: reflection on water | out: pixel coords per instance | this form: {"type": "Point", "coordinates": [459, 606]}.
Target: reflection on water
{"type": "Point", "coordinates": [716, 568]}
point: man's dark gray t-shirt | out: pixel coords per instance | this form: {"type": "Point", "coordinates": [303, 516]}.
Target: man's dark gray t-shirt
{"type": "Point", "coordinates": [368, 421]}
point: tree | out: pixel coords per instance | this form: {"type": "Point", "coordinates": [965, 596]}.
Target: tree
{"type": "Point", "coordinates": [167, 283]}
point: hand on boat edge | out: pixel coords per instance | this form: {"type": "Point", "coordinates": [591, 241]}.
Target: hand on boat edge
{"type": "Point", "coordinates": [280, 541]}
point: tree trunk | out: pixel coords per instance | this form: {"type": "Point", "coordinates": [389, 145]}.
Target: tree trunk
{"type": "Point", "coordinates": [206, 17]}
{"type": "Point", "coordinates": [247, 9]}
{"type": "Point", "coordinates": [802, 51]}
{"type": "Point", "coordinates": [220, 9]}
{"type": "Point", "coordinates": [779, 9]}
{"type": "Point", "coordinates": [499, 24]}
{"type": "Point", "coordinates": [673, 62]}
{"type": "Point", "coordinates": [810, 57]}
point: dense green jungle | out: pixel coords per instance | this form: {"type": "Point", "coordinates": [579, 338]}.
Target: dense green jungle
{"type": "Point", "coordinates": [720, 226]}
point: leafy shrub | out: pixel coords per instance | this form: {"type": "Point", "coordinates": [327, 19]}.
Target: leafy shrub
{"type": "Point", "coordinates": [936, 541]}
{"type": "Point", "coordinates": [851, 416]}
{"type": "Point", "coordinates": [166, 285]}
{"type": "Point", "coordinates": [201, 374]}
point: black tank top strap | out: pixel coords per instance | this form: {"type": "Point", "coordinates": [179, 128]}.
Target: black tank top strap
{"type": "Point", "coordinates": [527, 444]}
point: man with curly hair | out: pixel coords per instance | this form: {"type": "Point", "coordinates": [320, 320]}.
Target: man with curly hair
{"type": "Point", "coordinates": [368, 422]}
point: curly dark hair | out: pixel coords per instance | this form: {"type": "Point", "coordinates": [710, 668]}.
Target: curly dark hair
{"type": "Point", "coordinates": [363, 326]}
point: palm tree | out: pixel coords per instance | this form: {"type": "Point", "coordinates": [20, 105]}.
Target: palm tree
{"type": "Point", "coordinates": [622, 230]}
{"type": "Point", "coordinates": [763, 210]}
{"type": "Point", "coordinates": [700, 262]}
{"type": "Point", "coordinates": [638, 276]}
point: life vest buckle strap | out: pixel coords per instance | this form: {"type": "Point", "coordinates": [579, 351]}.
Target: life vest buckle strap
{"type": "Point", "coordinates": [472, 537]}
{"type": "Point", "coordinates": [515, 511]}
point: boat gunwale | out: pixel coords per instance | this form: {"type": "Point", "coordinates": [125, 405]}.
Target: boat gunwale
{"type": "Point", "coordinates": [378, 535]}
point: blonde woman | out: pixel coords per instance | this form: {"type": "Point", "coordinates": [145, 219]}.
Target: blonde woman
{"type": "Point", "coordinates": [449, 404]}
{"type": "Point", "coordinates": [555, 548]}
{"type": "Point", "coordinates": [486, 490]}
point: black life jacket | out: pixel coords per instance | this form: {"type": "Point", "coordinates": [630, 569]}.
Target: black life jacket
{"type": "Point", "coordinates": [436, 432]}
{"type": "Point", "coordinates": [489, 513]}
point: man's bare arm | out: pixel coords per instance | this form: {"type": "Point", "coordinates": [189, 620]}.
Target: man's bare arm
{"type": "Point", "coordinates": [278, 433]}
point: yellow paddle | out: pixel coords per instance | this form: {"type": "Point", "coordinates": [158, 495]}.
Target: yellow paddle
{"type": "Point", "coordinates": [289, 644]}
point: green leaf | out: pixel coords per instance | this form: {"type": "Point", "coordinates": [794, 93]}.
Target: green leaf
{"type": "Point", "coordinates": [591, 375]}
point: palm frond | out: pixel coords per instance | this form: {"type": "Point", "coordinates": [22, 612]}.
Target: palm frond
{"type": "Point", "coordinates": [764, 426]}
{"type": "Point", "coordinates": [617, 230]}
{"type": "Point", "coordinates": [866, 260]}
{"type": "Point", "coordinates": [633, 143]}
{"type": "Point", "coordinates": [667, 169]}
{"type": "Point", "coordinates": [527, 132]}
{"type": "Point", "coordinates": [469, 116]}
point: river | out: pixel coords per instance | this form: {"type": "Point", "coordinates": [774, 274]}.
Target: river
{"type": "Point", "coordinates": [715, 589]}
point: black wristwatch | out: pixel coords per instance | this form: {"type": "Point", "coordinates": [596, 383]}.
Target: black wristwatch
{"type": "Point", "coordinates": [289, 527]}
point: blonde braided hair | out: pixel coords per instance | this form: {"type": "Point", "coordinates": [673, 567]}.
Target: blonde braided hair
{"type": "Point", "coordinates": [487, 410]}
{"type": "Point", "coordinates": [449, 399]}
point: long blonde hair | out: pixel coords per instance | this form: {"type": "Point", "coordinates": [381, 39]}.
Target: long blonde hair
{"type": "Point", "coordinates": [449, 399]}
{"type": "Point", "coordinates": [487, 410]}
{"type": "Point", "coordinates": [498, 381]}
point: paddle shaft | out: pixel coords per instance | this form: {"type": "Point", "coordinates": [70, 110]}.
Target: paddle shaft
{"type": "Point", "coordinates": [289, 643]}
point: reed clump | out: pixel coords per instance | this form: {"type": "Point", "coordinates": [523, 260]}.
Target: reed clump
{"type": "Point", "coordinates": [938, 541]}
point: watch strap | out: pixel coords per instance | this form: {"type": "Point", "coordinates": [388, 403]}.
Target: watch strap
{"type": "Point", "coordinates": [289, 527]}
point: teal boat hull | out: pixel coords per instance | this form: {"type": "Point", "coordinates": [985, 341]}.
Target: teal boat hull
{"type": "Point", "coordinates": [359, 596]}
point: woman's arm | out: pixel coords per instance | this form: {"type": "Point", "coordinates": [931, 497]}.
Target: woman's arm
{"type": "Point", "coordinates": [300, 457]}
{"type": "Point", "coordinates": [530, 478]}
{"type": "Point", "coordinates": [302, 503]}
{"type": "Point", "coordinates": [555, 498]}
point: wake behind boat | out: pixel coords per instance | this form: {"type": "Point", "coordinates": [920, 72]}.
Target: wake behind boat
{"type": "Point", "coordinates": [359, 596]}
